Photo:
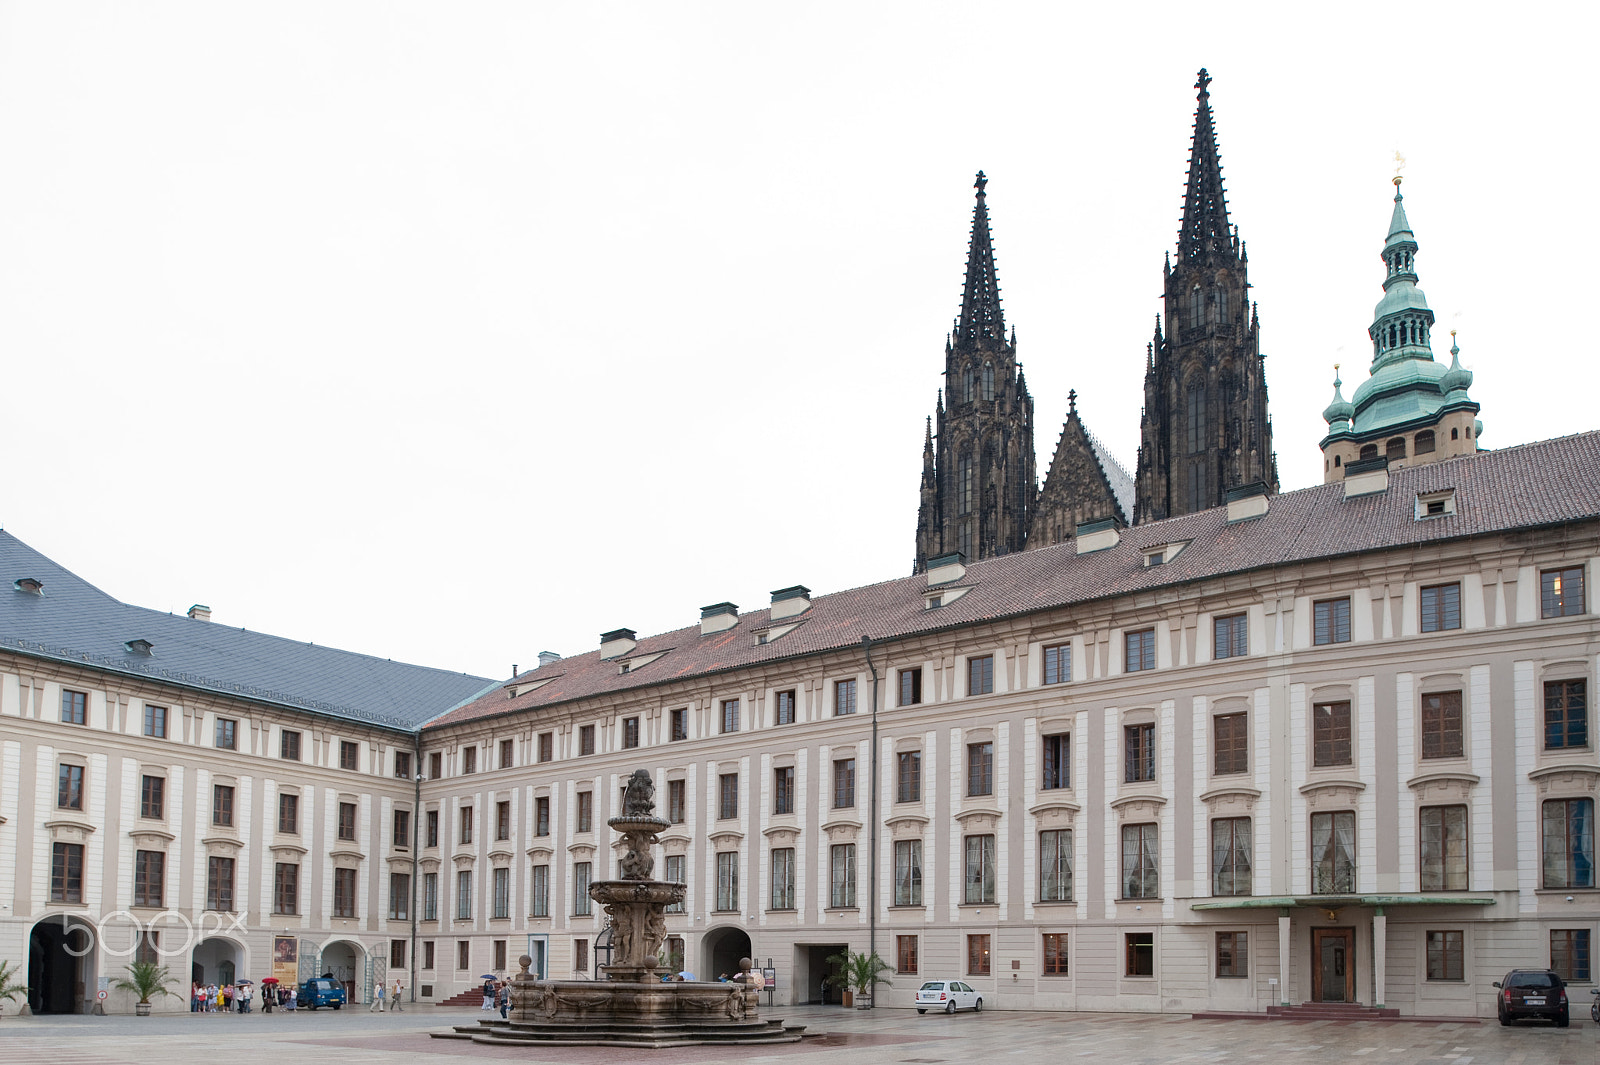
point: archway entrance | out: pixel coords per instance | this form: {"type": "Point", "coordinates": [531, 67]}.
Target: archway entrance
{"type": "Point", "coordinates": [347, 962]}
{"type": "Point", "coordinates": [720, 952]}
{"type": "Point", "coordinates": [814, 978]}
{"type": "Point", "coordinates": [60, 965]}
{"type": "Point", "coordinates": [217, 961]}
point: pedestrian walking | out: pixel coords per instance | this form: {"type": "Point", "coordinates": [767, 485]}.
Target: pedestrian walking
{"type": "Point", "coordinates": [395, 999]}
{"type": "Point", "coordinates": [504, 997]}
{"type": "Point", "coordinates": [377, 998]}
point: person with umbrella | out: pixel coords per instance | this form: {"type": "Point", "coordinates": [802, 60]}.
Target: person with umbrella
{"type": "Point", "coordinates": [269, 992]}
{"type": "Point", "coordinates": [488, 991]}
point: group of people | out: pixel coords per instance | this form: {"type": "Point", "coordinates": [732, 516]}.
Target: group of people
{"type": "Point", "coordinates": [221, 998]}
{"type": "Point", "coordinates": [239, 997]}
{"type": "Point", "coordinates": [496, 995]}
{"type": "Point", "coordinates": [382, 997]}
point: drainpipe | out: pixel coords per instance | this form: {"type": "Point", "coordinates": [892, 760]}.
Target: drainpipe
{"type": "Point", "coordinates": [416, 839]}
{"type": "Point", "coordinates": [872, 847]}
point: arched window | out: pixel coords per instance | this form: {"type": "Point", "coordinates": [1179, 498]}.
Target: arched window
{"type": "Point", "coordinates": [988, 380]}
{"type": "Point", "coordinates": [1195, 303]}
{"type": "Point", "coordinates": [967, 385]}
{"type": "Point", "coordinates": [964, 483]}
{"type": "Point", "coordinates": [1336, 461]}
{"type": "Point", "coordinates": [1221, 297]}
{"type": "Point", "coordinates": [1396, 448]}
{"type": "Point", "coordinates": [1197, 418]}
{"type": "Point", "coordinates": [1199, 499]}
{"type": "Point", "coordinates": [966, 540]}
{"type": "Point", "coordinates": [1369, 451]}
{"type": "Point", "coordinates": [1425, 442]}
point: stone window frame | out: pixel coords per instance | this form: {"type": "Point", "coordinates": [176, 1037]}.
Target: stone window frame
{"type": "Point", "coordinates": [1444, 684]}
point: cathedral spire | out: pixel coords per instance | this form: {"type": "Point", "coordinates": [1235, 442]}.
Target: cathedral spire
{"type": "Point", "coordinates": [1205, 229]}
{"type": "Point", "coordinates": [981, 323]}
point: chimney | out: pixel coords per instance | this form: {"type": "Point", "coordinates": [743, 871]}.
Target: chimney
{"type": "Point", "coordinates": [718, 617]}
{"type": "Point", "coordinates": [615, 644]}
{"type": "Point", "coordinates": [200, 613]}
{"type": "Point", "coordinates": [548, 657]}
{"type": "Point", "coordinates": [1367, 477]}
{"type": "Point", "coordinates": [1098, 535]}
{"type": "Point", "coordinates": [946, 568]}
{"type": "Point", "coordinates": [789, 602]}
{"type": "Point", "coordinates": [513, 671]}
{"type": "Point", "coordinates": [1247, 501]}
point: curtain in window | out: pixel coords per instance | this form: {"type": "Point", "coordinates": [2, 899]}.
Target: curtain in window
{"type": "Point", "coordinates": [1055, 866]}
{"type": "Point", "coordinates": [980, 869]}
{"type": "Point", "coordinates": [1230, 856]}
{"type": "Point", "coordinates": [908, 872]}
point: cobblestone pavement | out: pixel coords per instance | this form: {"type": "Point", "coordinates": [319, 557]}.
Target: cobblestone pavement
{"type": "Point", "coordinates": [881, 1037]}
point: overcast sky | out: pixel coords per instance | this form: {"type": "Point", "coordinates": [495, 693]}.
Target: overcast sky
{"type": "Point", "coordinates": [454, 332]}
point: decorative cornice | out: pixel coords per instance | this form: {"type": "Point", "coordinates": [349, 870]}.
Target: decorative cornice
{"type": "Point", "coordinates": [1447, 777]}
{"type": "Point", "coordinates": [1332, 784]}
{"type": "Point", "coordinates": [1230, 791]}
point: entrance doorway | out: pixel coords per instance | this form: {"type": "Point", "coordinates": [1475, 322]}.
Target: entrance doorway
{"type": "Point", "coordinates": [347, 962]}
{"type": "Point", "coordinates": [820, 985]}
{"type": "Point", "coordinates": [721, 951]}
{"type": "Point", "coordinates": [1333, 968]}
{"type": "Point", "coordinates": [216, 961]}
{"type": "Point", "coordinates": [60, 965]}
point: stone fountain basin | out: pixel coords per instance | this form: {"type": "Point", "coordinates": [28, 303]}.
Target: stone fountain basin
{"type": "Point", "coordinates": [660, 892]}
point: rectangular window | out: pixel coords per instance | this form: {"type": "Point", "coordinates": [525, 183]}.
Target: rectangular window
{"type": "Point", "coordinates": [783, 789]}
{"type": "Point", "coordinates": [908, 772]}
{"type": "Point", "coordinates": [1566, 714]}
{"type": "Point", "coordinates": [502, 893]}
{"type": "Point", "coordinates": [1330, 734]}
{"type": "Point", "coordinates": [911, 689]}
{"type": "Point", "coordinates": [1139, 755]}
{"type": "Point", "coordinates": [1561, 592]}
{"type": "Point", "coordinates": [980, 675]}
{"type": "Point", "coordinates": [1232, 856]}
{"type": "Point", "coordinates": [219, 883]}
{"type": "Point", "coordinates": [1441, 607]}
{"type": "Point", "coordinates": [680, 723]}
{"type": "Point", "coordinates": [1446, 955]}
{"type": "Point", "coordinates": [397, 954]}
{"type": "Point", "coordinates": [347, 820]}
{"type": "Point", "coordinates": [1054, 950]}
{"type": "Point", "coordinates": [502, 819]}
{"type": "Point", "coordinates": [427, 954]}
{"type": "Point", "coordinates": [676, 865]}
{"type": "Point", "coordinates": [1233, 954]}
{"type": "Point", "coordinates": [69, 786]}
{"type": "Point", "coordinates": [843, 879]}
{"type": "Point", "coordinates": [547, 746]}
{"type": "Point", "coordinates": [1441, 725]}
{"type": "Point", "coordinates": [221, 804]}
{"type": "Point", "coordinates": [401, 826]}
{"type": "Point", "coordinates": [289, 814]}
{"type": "Point", "coordinates": [905, 954]}
{"type": "Point", "coordinates": [463, 894]}
{"type": "Point", "coordinates": [155, 721]}
{"type": "Point", "coordinates": [585, 811]}
{"type": "Point", "coordinates": [1444, 848]}
{"type": "Point", "coordinates": [289, 745]}
{"type": "Point", "coordinates": [1230, 636]}
{"type": "Point", "coordinates": [539, 906]}
{"type": "Point", "coordinates": [1057, 762]}
{"type": "Point", "coordinates": [580, 955]}
{"type": "Point", "coordinates": [1139, 650]}
{"type": "Point", "coordinates": [785, 707]}
{"type": "Point", "coordinates": [508, 752]}
{"type": "Point", "coordinates": [677, 801]}
{"type": "Point", "coordinates": [782, 896]}
{"type": "Point", "coordinates": [1569, 954]}
{"type": "Point", "coordinates": [1333, 853]}
{"type": "Point", "coordinates": [400, 896]}
{"type": "Point", "coordinates": [980, 769]}
{"type": "Point", "coordinates": [402, 765]}
{"type": "Point", "coordinates": [1569, 843]}
{"type": "Point", "coordinates": [435, 765]}
{"type": "Point", "coordinates": [286, 887]}
{"type": "Point", "coordinates": [1330, 621]}
{"type": "Point", "coordinates": [541, 815]}
{"type": "Point", "coordinates": [977, 955]}
{"type": "Point", "coordinates": [908, 872]}
{"type": "Point", "coordinates": [349, 755]}
{"type": "Point", "coordinates": [1058, 663]}
{"type": "Point", "coordinates": [581, 875]}
{"type": "Point", "coordinates": [227, 733]}
{"type": "Point", "coordinates": [1141, 871]}
{"type": "Point", "coordinates": [431, 832]}
{"type": "Point", "coordinates": [499, 954]}
{"type": "Point", "coordinates": [1230, 735]}
{"type": "Point", "coordinates": [152, 797]}
{"type": "Point", "coordinates": [730, 715]}
{"type": "Point", "coordinates": [1055, 865]}
{"type": "Point", "coordinates": [430, 896]}
{"type": "Point", "coordinates": [464, 829]}
{"type": "Point", "coordinates": [980, 869]}
{"type": "Point", "coordinates": [469, 760]}
{"type": "Point", "coordinates": [727, 881]}
{"type": "Point", "coordinates": [1140, 953]}
{"type": "Point", "coordinates": [74, 707]}
{"type": "Point", "coordinates": [464, 954]}
{"type": "Point", "coordinates": [630, 732]}
{"type": "Point", "coordinates": [586, 739]}
{"type": "Point", "coordinates": [844, 697]}
{"type": "Point", "coordinates": [344, 893]}
{"type": "Point", "coordinates": [844, 783]}
{"type": "Point", "coordinates": [66, 872]}
{"type": "Point", "coordinates": [728, 796]}
{"type": "Point", "coordinates": [149, 878]}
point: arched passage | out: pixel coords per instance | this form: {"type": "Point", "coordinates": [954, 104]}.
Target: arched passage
{"type": "Point", "coordinates": [217, 960]}
{"type": "Point", "coordinates": [61, 969]}
{"type": "Point", "coordinates": [721, 950]}
{"type": "Point", "coordinates": [346, 960]}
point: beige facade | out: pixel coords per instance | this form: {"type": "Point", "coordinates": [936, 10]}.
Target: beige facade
{"type": "Point", "coordinates": [1453, 435]}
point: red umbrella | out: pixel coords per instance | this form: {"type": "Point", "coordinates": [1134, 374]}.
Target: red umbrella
{"type": "Point", "coordinates": [270, 980]}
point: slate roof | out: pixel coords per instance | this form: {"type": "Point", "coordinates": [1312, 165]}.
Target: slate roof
{"type": "Point", "coordinates": [73, 621]}
{"type": "Point", "coordinates": [1120, 480]}
{"type": "Point", "coordinates": [1546, 483]}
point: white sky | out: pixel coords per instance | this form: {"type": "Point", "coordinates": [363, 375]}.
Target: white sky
{"type": "Point", "coordinates": [454, 332]}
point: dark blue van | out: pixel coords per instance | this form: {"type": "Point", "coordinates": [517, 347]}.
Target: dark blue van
{"type": "Point", "coordinates": [320, 991]}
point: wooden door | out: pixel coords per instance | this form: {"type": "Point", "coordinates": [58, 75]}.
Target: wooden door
{"type": "Point", "coordinates": [1333, 969]}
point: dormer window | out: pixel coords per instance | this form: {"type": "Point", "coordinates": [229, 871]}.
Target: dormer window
{"type": "Point", "coordinates": [139, 647]}
{"type": "Point", "coordinates": [1155, 558]}
{"type": "Point", "coordinates": [935, 601]}
{"type": "Point", "coordinates": [1439, 504]}
{"type": "Point", "coordinates": [30, 585]}
{"type": "Point", "coordinates": [1163, 553]}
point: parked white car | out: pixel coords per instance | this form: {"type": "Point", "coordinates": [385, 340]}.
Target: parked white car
{"type": "Point", "coordinates": [948, 995]}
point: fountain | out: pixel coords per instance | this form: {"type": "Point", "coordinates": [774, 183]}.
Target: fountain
{"type": "Point", "coordinates": [633, 1006]}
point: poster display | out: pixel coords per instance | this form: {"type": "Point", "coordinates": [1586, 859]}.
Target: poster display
{"type": "Point", "coordinates": [286, 959]}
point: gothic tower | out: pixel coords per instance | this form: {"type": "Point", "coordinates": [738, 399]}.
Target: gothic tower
{"type": "Point", "coordinates": [978, 477]}
{"type": "Point", "coordinates": [1205, 428]}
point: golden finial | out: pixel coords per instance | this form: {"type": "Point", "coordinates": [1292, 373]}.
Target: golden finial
{"type": "Point", "coordinates": [1399, 165]}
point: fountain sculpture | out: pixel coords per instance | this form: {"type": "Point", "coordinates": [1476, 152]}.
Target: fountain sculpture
{"type": "Point", "coordinates": [633, 1006]}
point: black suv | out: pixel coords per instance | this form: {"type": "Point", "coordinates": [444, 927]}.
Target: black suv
{"type": "Point", "coordinates": [1533, 993]}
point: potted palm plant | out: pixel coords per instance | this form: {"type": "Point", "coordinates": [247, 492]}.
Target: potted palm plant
{"type": "Point", "coordinates": [860, 974]}
{"type": "Point", "coordinates": [10, 987]}
{"type": "Point", "coordinates": [145, 978]}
